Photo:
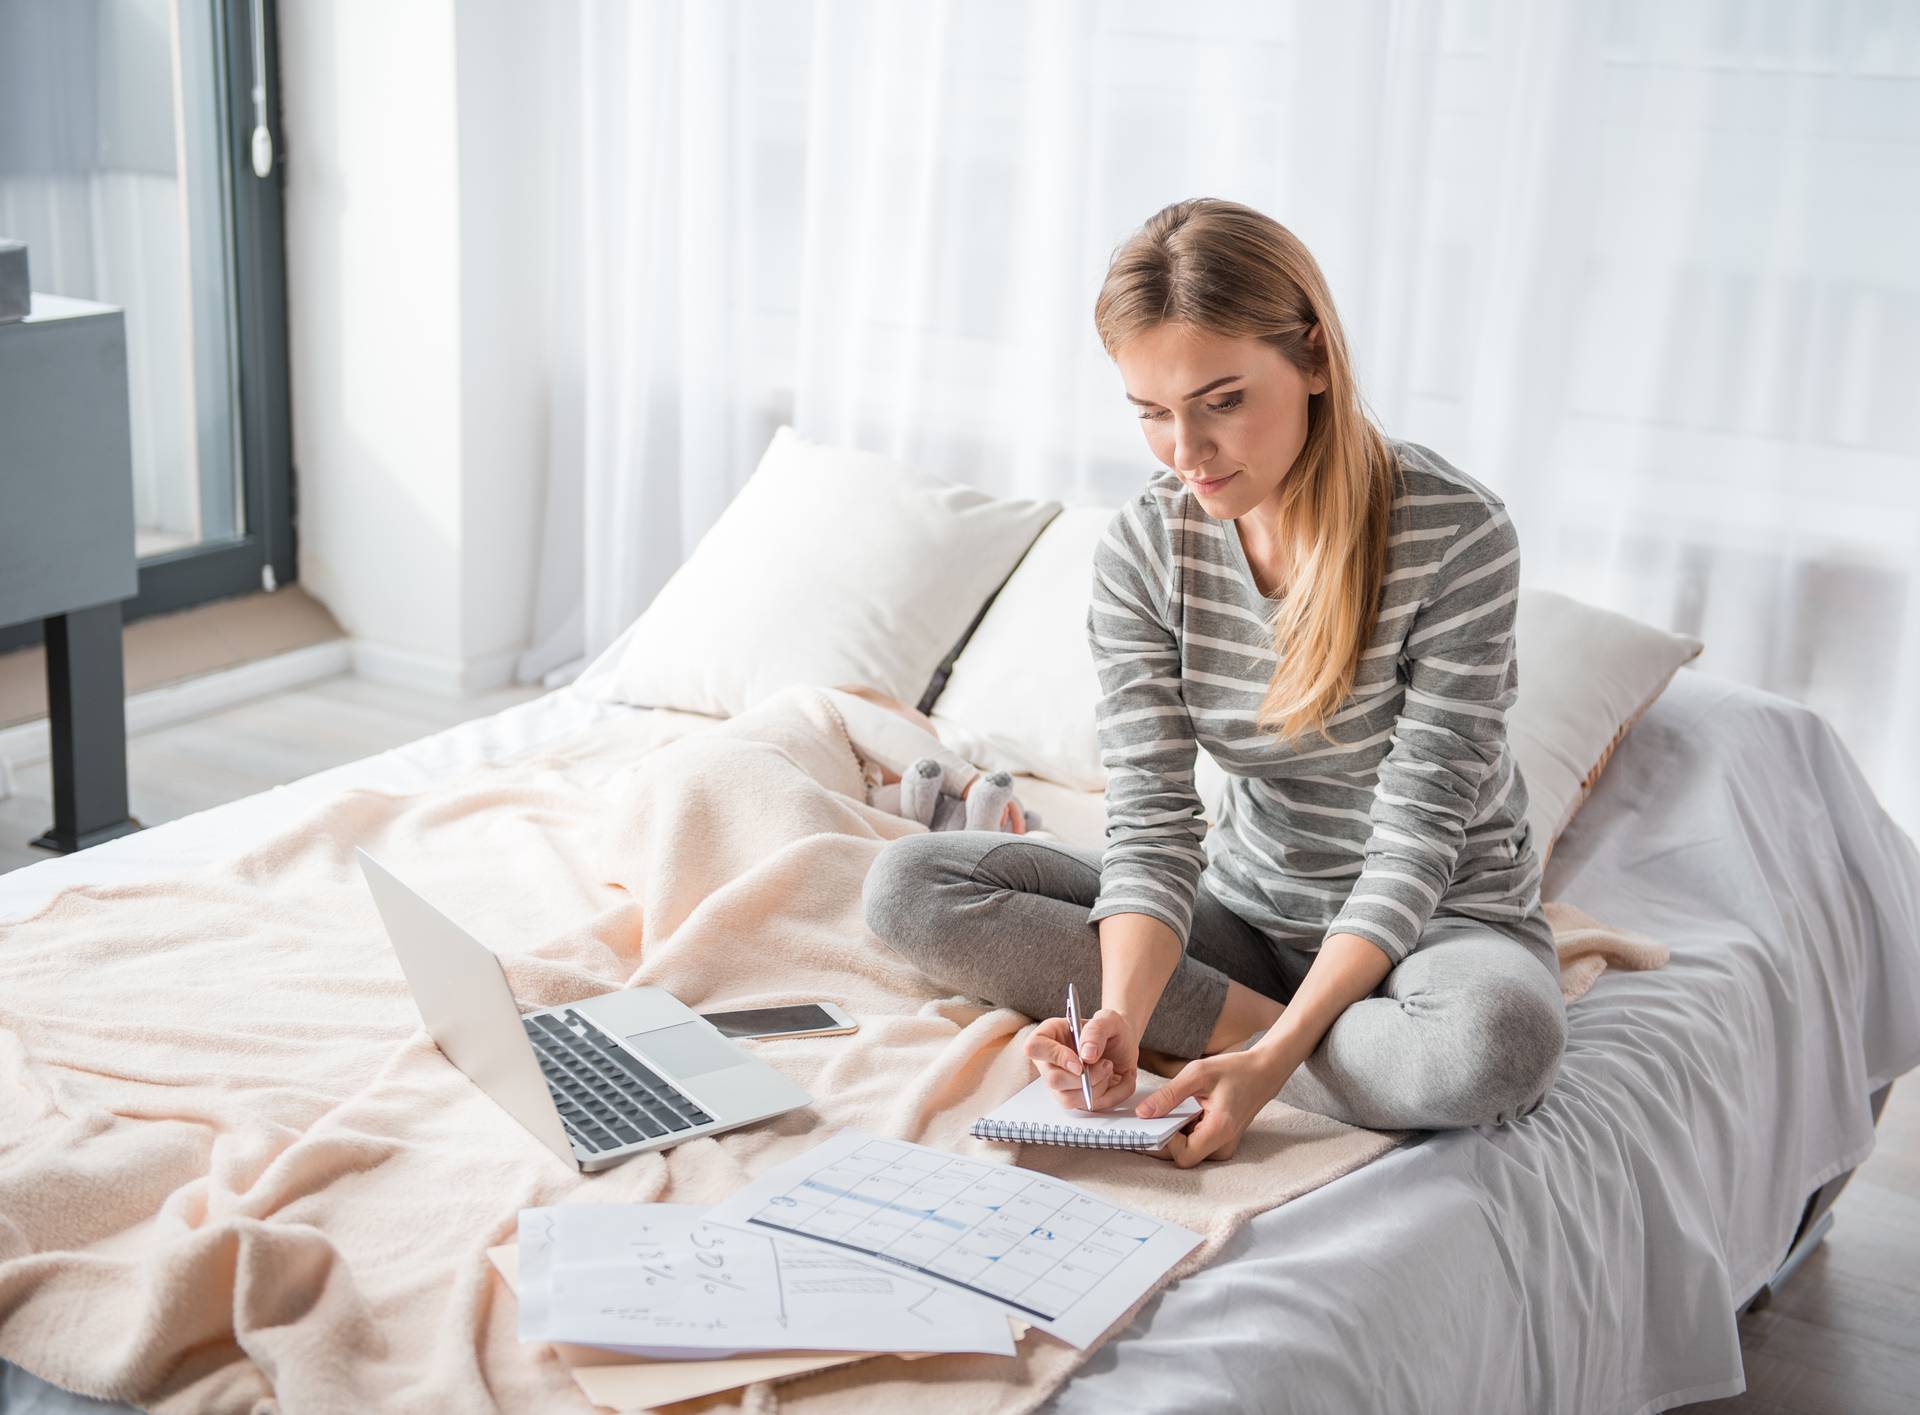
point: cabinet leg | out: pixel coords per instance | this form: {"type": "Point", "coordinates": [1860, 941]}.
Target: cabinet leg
{"type": "Point", "coordinates": [87, 721]}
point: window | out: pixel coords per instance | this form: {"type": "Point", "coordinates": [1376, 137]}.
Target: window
{"type": "Point", "coordinates": [127, 164]}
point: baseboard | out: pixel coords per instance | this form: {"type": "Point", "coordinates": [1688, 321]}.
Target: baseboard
{"type": "Point", "coordinates": [27, 743]}
{"type": "Point", "coordinates": [432, 673]}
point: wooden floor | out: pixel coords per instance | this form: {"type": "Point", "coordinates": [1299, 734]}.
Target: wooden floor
{"type": "Point", "coordinates": [175, 771]}
{"type": "Point", "coordinates": [1841, 1338]}
{"type": "Point", "coordinates": [188, 643]}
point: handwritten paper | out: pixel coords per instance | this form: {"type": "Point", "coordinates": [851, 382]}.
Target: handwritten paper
{"type": "Point", "coordinates": [660, 1280]}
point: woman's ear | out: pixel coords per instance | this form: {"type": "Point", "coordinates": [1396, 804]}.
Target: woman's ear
{"type": "Point", "coordinates": [1319, 382]}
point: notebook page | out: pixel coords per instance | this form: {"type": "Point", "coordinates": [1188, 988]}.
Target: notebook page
{"type": "Point", "coordinates": [1036, 1106]}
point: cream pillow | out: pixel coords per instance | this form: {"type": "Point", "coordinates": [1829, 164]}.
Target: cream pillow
{"type": "Point", "coordinates": [831, 566]}
{"type": "Point", "coordinates": [1586, 676]}
{"type": "Point", "coordinates": [1023, 693]}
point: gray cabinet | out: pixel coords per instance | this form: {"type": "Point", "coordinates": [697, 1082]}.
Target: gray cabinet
{"type": "Point", "coordinates": [66, 544]}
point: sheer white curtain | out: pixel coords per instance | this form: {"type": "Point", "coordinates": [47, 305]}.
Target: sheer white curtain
{"type": "Point", "coordinates": [1648, 270]}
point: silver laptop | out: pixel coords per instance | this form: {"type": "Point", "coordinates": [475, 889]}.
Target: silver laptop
{"type": "Point", "coordinates": [595, 1081]}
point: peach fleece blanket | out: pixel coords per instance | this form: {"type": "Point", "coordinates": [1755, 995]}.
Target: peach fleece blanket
{"type": "Point", "coordinates": [236, 1175]}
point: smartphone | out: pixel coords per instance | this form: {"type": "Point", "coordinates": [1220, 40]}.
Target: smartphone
{"type": "Point", "coordinates": [805, 1019]}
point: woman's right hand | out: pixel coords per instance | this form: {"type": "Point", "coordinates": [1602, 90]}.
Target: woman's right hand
{"type": "Point", "coordinates": [1109, 1054]}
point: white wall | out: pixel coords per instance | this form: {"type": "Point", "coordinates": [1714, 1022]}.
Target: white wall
{"type": "Point", "coordinates": [505, 135]}
{"type": "Point", "coordinates": [417, 350]}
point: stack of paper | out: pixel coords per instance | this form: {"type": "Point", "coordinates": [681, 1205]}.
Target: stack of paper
{"type": "Point", "coordinates": [622, 1382]}
{"type": "Point", "coordinates": [861, 1245]}
{"type": "Point", "coordinates": [659, 1280]}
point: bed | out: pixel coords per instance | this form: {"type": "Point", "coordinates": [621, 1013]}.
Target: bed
{"type": "Point", "coordinates": [1594, 1256]}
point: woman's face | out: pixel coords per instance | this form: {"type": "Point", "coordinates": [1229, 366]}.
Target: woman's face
{"type": "Point", "coordinates": [1229, 415]}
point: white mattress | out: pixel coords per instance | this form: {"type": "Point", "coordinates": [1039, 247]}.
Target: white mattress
{"type": "Point", "coordinates": [1589, 1258]}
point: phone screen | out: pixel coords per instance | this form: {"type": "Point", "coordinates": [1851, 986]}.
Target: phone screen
{"type": "Point", "coordinates": [772, 1021]}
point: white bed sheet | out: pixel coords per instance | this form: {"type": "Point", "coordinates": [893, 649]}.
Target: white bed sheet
{"type": "Point", "coordinates": [1587, 1259]}
{"type": "Point", "coordinates": [1591, 1258]}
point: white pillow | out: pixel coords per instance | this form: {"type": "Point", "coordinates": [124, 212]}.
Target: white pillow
{"type": "Point", "coordinates": [1023, 693]}
{"type": "Point", "coordinates": [831, 566]}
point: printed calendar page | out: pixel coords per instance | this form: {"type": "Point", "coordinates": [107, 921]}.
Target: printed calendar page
{"type": "Point", "coordinates": [1046, 1251]}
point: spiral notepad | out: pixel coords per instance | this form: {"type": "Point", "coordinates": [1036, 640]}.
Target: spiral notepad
{"type": "Point", "coordinates": [1034, 1117]}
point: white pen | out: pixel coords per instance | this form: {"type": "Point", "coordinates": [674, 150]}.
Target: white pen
{"type": "Point", "coordinates": [1073, 1025]}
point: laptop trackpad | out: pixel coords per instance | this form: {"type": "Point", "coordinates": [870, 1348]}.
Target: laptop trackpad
{"type": "Point", "coordinates": [686, 1049]}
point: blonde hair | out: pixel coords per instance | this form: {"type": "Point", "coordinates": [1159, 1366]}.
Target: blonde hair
{"type": "Point", "coordinates": [1233, 271]}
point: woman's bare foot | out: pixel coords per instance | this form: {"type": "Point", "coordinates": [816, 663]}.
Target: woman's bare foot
{"type": "Point", "coordinates": [1161, 1064]}
{"type": "Point", "coordinates": [1244, 1013]}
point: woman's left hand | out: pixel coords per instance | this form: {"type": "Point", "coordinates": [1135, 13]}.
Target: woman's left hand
{"type": "Point", "coordinates": [1231, 1088]}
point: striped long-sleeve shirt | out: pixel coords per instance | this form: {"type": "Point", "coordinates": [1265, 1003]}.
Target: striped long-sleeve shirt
{"type": "Point", "coordinates": [1422, 808]}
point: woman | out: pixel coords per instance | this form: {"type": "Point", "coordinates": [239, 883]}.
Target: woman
{"type": "Point", "coordinates": [1330, 615]}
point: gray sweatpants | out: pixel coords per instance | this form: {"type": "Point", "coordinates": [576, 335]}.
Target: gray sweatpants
{"type": "Point", "coordinates": [1468, 1029]}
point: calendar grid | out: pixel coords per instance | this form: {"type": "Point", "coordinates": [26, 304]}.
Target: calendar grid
{"type": "Point", "coordinates": [1022, 1239]}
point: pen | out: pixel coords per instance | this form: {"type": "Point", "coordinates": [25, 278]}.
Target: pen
{"type": "Point", "coordinates": [1073, 1025]}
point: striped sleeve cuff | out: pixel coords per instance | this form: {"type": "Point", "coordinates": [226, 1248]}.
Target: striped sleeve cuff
{"type": "Point", "coordinates": [1118, 895]}
{"type": "Point", "coordinates": [1392, 912]}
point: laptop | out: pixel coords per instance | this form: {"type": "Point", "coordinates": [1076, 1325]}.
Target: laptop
{"type": "Point", "coordinates": [595, 1081]}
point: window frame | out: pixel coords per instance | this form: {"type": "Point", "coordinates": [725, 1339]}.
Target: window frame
{"type": "Point", "coordinates": [264, 557]}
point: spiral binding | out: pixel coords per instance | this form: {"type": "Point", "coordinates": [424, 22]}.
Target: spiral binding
{"type": "Point", "coordinates": [1026, 1133]}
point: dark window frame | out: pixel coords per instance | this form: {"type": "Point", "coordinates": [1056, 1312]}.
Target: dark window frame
{"type": "Point", "coordinates": [198, 574]}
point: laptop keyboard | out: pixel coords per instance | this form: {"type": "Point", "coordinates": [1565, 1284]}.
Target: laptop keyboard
{"type": "Point", "coordinates": [608, 1098]}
